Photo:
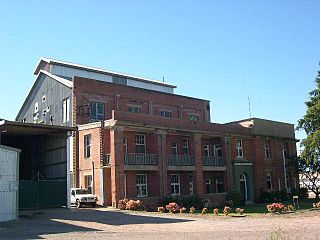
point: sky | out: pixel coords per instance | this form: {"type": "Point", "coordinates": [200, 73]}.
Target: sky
{"type": "Point", "coordinates": [223, 51]}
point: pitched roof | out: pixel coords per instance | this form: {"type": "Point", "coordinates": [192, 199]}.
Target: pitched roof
{"type": "Point", "coordinates": [54, 77]}
{"type": "Point", "coordinates": [99, 70]}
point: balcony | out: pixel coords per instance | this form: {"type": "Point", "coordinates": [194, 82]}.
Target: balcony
{"type": "Point", "coordinates": [211, 163]}
{"type": "Point", "coordinates": [106, 162]}
{"type": "Point", "coordinates": [180, 163]}
{"type": "Point", "coordinates": [137, 161]}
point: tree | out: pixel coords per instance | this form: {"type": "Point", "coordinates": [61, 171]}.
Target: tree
{"type": "Point", "coordinates": [310, 175]}
{"type": "Point", "coordinates": [309, 159]}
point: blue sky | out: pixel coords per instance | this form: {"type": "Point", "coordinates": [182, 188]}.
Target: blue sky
{"type": "Point", "coordinates": [209, 49]}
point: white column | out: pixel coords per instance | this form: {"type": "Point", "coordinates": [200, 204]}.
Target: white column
{"type": "Point", "coordinates": [69, 159]}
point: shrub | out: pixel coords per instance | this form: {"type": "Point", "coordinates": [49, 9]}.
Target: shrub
{"type": "Point", "coordinates": [276, 208]}
{"type": "Point", "coordinates": [301, 192]}
{"type": "Point", "coordinates": [216, 211]}
{"type": "Point", "coordinates": [173, 207]}
{"type": "Point", "coordinates": [228, 203]}
{"type": "Point", "coordinates": [185, 201]}
{"type": "Point", "coordinates": [161, 209]}
{"type": "Point", "coordinates": [240, 210]}
{"type": "Point", "coordinates": [122, 204]}
{"type": "Point", "coordinates": [235, 196]}
{"type": "Point", "coordinates": [316, 205]}
{"type": "Point", "coordinates": [135, 205]}
{"type": "Point", "coordinates": [192, 210]}
{"type": "Point", "coordinates": [204, 211]}
{"type": "Point", "coordinates": [226, 210]}
{"type": "Point", "coordinates": [183, 210]}
{"type": "Point", "coordinates": [269, 197]}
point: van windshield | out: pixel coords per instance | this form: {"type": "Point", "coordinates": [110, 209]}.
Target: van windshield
{"type": "Point", "coordinates": [82, 191]}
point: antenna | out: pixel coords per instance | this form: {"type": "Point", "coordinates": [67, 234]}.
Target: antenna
{"type": "Point", "coordinates": [162, 79]}
{"type": "Point", "coordinates": [249, 103]}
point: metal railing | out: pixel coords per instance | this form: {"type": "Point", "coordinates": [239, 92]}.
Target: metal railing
{"type": "Point", "coordinates": [106, 160]}
{"type": "Point", "coordinates": [140, 159]}
{"type": "Point", "coordinates": [213, 161]}
{"type": "Point", "coordinates": [180, 160]}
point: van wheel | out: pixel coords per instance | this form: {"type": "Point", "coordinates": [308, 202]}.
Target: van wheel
{"type": "Point", "coordinates": [78, 203]}
{"type": "Point", "coordinates": [94, 205]}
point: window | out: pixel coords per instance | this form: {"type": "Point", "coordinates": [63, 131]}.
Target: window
{"type": "Point", "coordinates": [36, 107]}
{"type": "Point", "coordinates": [174, 148]}
{"type": "Point", "coordinates": [88, 182]}
{"type": "Point", "coordinates": [185, 146]}
{"type": "Point", "coordinates": [267, 149]}
{"type": "Point", "coordinates": [96, 111]}
{"type": "Point", "coordinates": [87, 146]}
{"type": "Point", "coordinates": [65, 110]}
{"type": "Point", "coordinates": [175, 184]}
{"type": "Point", "coordinates": [206, 150]}
{"type": "Point", "coordinates": [134, 109]}
{"type": "Point", "coordinates": [286, 149]}
{"type": "Point", "coordinates": [269, 181]}
{"type": "Point", "coordinates": [44, 98]}
{"type": "Point", "coordinates": [142, 185]}
{"type": "Point", "coordinates": [217, 150]}
{"type": "Point", "coordinates": [193, 117]}
{"type": "Point", "coordinates": [140, 141]}
{"type": "Point", "coordinates": [239, 148]}
{"type": "Point", "coordinates": [166, 114]}
{"type": "Point", "coordinates": [125, 145]}
{"type": "Point", "coordinates": [208, 186]}
{"type": "Point", "coordinates": [219, 185]}
{"type": "Point", "coordinates": [119, 80]}
{"type": "Point", "coordinates": [190, 181]}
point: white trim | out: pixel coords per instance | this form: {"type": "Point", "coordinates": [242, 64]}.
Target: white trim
{"type": "Point", "coordinates": [244, 179]}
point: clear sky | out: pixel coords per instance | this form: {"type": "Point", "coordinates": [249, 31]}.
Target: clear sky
{"type": "Point", "coordinates": [216, 50]}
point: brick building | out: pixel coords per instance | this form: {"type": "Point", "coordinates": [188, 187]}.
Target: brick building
{"type": "Point", "coordinates": [143, 141]}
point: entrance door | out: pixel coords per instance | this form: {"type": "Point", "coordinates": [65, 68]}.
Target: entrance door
{"type": "Point", "coordinates": [243, 187]}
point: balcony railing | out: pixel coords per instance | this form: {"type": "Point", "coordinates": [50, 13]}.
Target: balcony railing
{"type": "Point", "coordinates": [180, 160]}
{"type": "Point", "coordinates": [213, 161]}
{"type": "Point", "coordinates": [140, 159]}
{"type": "Point", "coordinates": [106, 160]}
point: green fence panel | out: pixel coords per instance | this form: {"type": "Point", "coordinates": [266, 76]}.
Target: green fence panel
{"type": "Point", "coordinates": [28, 194]}
{"type": "Point", "coordinates": [52, 193]}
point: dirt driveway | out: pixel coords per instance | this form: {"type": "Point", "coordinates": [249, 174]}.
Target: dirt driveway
{"type": "Point", "coordinates": [106, 223]}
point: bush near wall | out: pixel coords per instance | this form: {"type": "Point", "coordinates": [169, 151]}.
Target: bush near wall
{"type": "Point", "coordinates": [183, 201]}
{"type": "Point", "coordinates": [269, 197]}
{"type": "Point", "coordinates": [235, 196]}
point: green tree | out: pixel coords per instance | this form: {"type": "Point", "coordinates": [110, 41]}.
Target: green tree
{"type": "Point", "coordinates": [310, 123]}
{"type": "Point", "coordinates": [309, 164]}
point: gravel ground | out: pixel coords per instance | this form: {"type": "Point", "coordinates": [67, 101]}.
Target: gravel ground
{"type": "Point", "coordinates": [107, 223]}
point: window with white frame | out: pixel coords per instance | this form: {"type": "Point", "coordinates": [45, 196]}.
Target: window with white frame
{"type": "Point", "coordinates": [140, 141]}
{"type": "Point", "coordinates": [96, 111]}
{"type": "Point", "coordinates": [219, 185]}
{"type": "Point", "coordinates": [65, 110]}
{"type": "Point", "coordinates": [208, 186]}
{"type": "Point", "coordinates": [87, 146]}
{"type": "Point", "coordinates": [239, 148]}
{"type": "Point", "coordinates": [267, 149]}
{"type": "Point", "coordinates": [166, 114]}
{"type": "Point", "coordinates": [174, 148]}
{"type": "Point", "coordinates": [185, 146]}
{"type": "Point", "coordinates": [36, 107]}
{"type": "Point", "coordinates": [175, 184]}
{"type": "Point", "coordinates": [88, 182]}
{"type": "Point", "coordinates": [125, 145]}
{"type": "Point", "coordinates": [193, 117]}
{"type": "Point", "coordinates": [142, 187]}
{"type": "Point", "coordinates": [217, 150]}
{"type": "Point", "coordinates": [206, 150]}
{"type": "Point", "coordinates": [190, 181]}
{"type": "Point", "coordinates": [134, 109]}
{"type": "Point", "coordinates": [269, 181]}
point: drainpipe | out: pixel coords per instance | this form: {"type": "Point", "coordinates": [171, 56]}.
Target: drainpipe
{"type": "Point", "coordinates": [93, 181]}
{"type": "Point", "coordinates": [285, 171]}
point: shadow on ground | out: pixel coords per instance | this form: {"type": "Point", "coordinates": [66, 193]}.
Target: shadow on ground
{"type": "Point", "coordinates": [54, 221]}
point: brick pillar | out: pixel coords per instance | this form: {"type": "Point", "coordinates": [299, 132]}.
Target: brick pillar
{"type": "Point", "coordinates": [198, 164]}
{"type": "Point", "coordinates": [227, 160]}
{"type": "Point", "coordinates": [162, 163]}
{"type": "Point", "coordinates": [117, 165]}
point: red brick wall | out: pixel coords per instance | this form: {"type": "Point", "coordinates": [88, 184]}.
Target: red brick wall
{"type": "Point", "coordinates": [149, 101]}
